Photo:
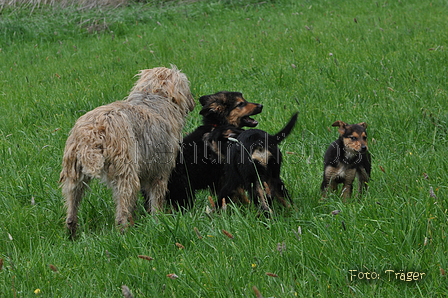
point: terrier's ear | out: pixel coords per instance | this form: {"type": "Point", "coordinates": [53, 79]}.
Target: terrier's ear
{"type": "Point", "coordinates": [341, 126]}
{"type": "Point", "coordinates": [363, 124]}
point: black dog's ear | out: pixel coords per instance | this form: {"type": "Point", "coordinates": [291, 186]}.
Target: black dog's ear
{"type": "Point", "coordinates": [221, 96]}
{"type": "Point", "coordinates": [211, 108]}
{"type": "Point", "coordinates": [341, 126]}
{"type": "Point", "coordinates": [206, 100]}
{"type": "Point", "coordinates": [363, 124]}
{"type": "Point", "coordinates": [209, 105]}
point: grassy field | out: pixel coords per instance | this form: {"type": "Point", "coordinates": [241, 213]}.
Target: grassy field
{"type": "Point", "coordinates": [384, 63]}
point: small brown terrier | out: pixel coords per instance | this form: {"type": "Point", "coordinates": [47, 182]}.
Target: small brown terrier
{"type": "Point", "coordinates": [347, 158]}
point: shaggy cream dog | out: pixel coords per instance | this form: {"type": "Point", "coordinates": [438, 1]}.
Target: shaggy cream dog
{"type": "Point", "coordinates": [131, 145]}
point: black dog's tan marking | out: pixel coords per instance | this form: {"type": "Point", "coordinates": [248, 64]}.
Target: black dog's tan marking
{"type": "Point", "coordinates": [201, 161]}
{"type": "Point", "coordinates": [253, 165]}
{"type": "Point", "coordinates": [347, 158]}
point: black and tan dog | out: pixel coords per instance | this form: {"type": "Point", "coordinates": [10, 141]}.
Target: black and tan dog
{"type": "Point", "coordinates": [253, 165]}
{"type": "Point", "coordinates": [201, 161]}
{"type": "Point", "coordinates": [346, 158]}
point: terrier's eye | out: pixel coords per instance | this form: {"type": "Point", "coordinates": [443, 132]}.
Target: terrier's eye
{"type": "Point", "coordinates": [353, 138]}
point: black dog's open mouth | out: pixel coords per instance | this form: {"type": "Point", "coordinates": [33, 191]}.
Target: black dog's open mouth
{"type": "Point", "coordinates": [247, 121]}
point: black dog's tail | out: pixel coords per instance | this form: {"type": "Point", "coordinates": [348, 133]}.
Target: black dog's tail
{"type": "Point", "coordinates": [282, 134]}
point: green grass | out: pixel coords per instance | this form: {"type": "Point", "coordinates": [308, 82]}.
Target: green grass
{"type": "Point", "coordinates": [384, 63]}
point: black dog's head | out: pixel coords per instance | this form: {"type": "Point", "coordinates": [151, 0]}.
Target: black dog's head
{"type": "Point", "coordinates": [354, 136]}
{"type": "Point", "coordinates": [224, 108]}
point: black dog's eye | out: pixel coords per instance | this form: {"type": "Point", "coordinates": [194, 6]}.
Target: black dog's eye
{"type": "Point", "coordinates": [240, 104]}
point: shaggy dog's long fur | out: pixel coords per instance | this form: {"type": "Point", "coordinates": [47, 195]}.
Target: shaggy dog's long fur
{"type": "Point", "coordinates": [201, 161]}
{"type": "Point", "coordinates": [130, 145]}
{"type": "Point", "coordinates": [346, 158]}
{"type": "Point", "coordinates": [254, 165]}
